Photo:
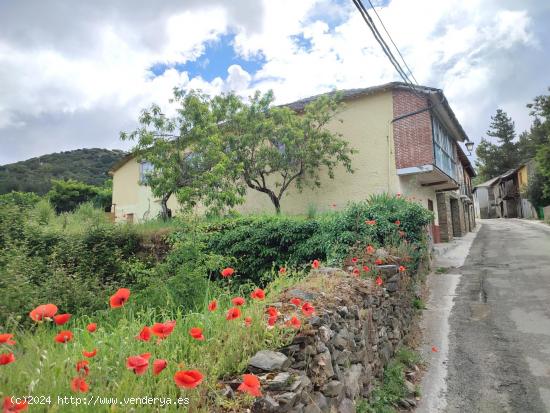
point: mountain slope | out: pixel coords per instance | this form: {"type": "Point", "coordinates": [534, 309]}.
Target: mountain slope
{"type": "Point", "coordinates": [35, 174]}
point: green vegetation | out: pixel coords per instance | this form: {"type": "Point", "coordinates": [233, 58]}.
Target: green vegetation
{"type": "Point", "coordinates": [386, 395]}
{"type": "Point", "coordinates": [34, 175]}
{"type": "Point", "coordinates": [419, 304]}
{"type": "Point", "coordinates": [66, 196]}
{"type": "Point", "coordinates": [217, 147]}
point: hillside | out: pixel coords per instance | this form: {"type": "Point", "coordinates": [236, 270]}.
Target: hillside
{"type": "Point", "coordinates": [35, 174]}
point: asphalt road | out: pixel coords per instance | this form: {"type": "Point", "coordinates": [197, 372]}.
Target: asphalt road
{"type": "Point", "coordinates": [499, 326]}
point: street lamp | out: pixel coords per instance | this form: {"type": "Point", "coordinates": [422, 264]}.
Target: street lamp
{"type": "Point", "coordinates": [469, 145]}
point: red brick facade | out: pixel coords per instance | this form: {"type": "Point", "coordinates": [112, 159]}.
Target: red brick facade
{"type": "Point", "coordinates": [412, 135]}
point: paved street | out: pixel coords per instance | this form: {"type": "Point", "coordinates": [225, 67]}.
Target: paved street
{"type": "Point", "coordinates": [497, 357]}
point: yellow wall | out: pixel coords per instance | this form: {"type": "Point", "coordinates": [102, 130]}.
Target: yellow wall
{"type": "Point", "coordinates": [523, 179]}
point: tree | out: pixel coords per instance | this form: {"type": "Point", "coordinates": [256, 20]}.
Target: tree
{"type": "Point", "coordinates": [276, 148]}
{"type": "Point", "coordinates": [65, 196]}
{"type": "Point", "coordinates": [216, 148]}
{"type": "Point", "coordinates": [495, 159]}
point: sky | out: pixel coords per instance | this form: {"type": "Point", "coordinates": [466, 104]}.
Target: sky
{"type": "Point", "coordinates": [75, 74]}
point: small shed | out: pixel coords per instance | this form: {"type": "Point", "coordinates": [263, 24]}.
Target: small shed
{"type": "Point", "coordinates": [484, 199]}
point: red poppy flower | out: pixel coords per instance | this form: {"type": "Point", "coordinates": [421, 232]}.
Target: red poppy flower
{"type": "Point", "coordinates": [212, 305]}
{"type": "Point", "coordinates": [397, 222]}
{"type": "Point", "coordinates": [379, 261]}
{"type": "Point", "coordinates": [61, 319]}
{"type": "Point", "coordinates": [401, 268]}
{"type": "Point", "coordinates": [227, 272]}
{"type": "Point", "coordinates": [315, 264]}
{"type": "Point", "coordinates": [248, 321]}
{"type": "Point", "coordinates": [370, 249]}
{"type": "Point", "coordinates": [10, 407]}
{"type": "Point", "coordinates": [139, 364]}
{"type": "Point", "coordinates": [64, 336]}
{"type": "Point", "coordinates": [258, 294]}
{"type": "Point", "coordinates": [366, 268]}
{"type": "Point", "coordinates": [282, 270]}
{"type": "Point", "coordinates": [354, 260]}
{"type": "Point", "coordinates": [7, 339]}
{"type": "Point", "coordinates": [294, 322]}
{"type": "Point", "coordinates": [82, 367]}
{"type": "Point", "coordinates": [356, 272]}
{"type": "Point", "coordinates": [188, 379]}
{"type": "Point", "coordinates": [379, 281]}
{"type": "Point", "coordinates": [119, 298]}
{"type": "Point", "coordinates": [79, 385]}
{"type": "Point", "coordinates": [370, 222]}
{"type": "Point", "coordinates": [296, 301]}
{"type": "Point", "coordinates": [250, 385]}
{"type": "Point", "coordinates": [398, 195]}
{"type": "Point", "coordinates": [308, 309]}
{"type": "Point", "coordinates": [238, 301]}
{"type": "Point", "coordinates": [272, 320]}
{"type": "Point", "coordinates": [196, 333]}
{"type": "Point", "coordinates": [92, 327]}
{"type": "Point", "coordinates": [43, 311]}
{"type": "Point", "coordinates": [90, 354]}
{"type": "Point", "coordinates": [272, 311]}
{"type": "Point", "coordinates": [233, 313]}
{"type": "Point", "coordinates": [158, 366]}
{"type": "Point", "coordinates": [6, 358]}
{"type": "Point", "coordinates": [435, 349]}
{"type": "Point", "coordinates": [163, 330]}
{"type": "Point", "coordinates": [144, 334]}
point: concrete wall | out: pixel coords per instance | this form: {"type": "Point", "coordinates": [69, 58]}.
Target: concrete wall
{"type": "Point", "coordinates": [445, 216]}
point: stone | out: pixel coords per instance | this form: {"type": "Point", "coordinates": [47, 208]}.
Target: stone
{"type": "Point", "coordinates": [302, 295]}
{"type": "Point", "coordinates": [411, 389]}
{"type": "Point", "coordinates": [315, 321]}
{"type": "Point", "coordinates": [353, 380]}
{"type": "Point", "coordinates": [279, 382]}
{"type": "Point", "coordinates": [317, 404]}
{"type": "Point", "coordinates": [346, 406]}
{"type": "Point", "coordinates": [286, 400]}
{"type": "Point", "coordinates": [324, 362]}
{"type": "Point", "coordinates": [342, 311]}
{"type": "Point", "coordinates": [333, 388]}
{"type": "Point", "coordinates": [267, 360]}
{"type": "Point", "coordinates": [391, 287]}
{"type": "Point", "coordinates": [325, 334]}
{"type": "Point", "coordinates": [266, 404]}
{"type": "Point", "coordinates": [228, 392]}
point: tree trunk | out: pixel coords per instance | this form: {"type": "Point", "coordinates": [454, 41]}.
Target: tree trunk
{"type": "Point", "coordinates": [165, 212]}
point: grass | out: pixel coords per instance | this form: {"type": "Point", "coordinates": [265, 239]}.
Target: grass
{"type": "Point", "coordinates": [386, 394]}
{"type": "Point", "coordinates": [419, 304]}
{"type": "Point", "coordinates": [46, 368]}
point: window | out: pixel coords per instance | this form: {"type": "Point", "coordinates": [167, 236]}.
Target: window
{"type": "Point", "coordinates": [145, 168]}
{"type": "Point", "coordinates": [444, 149]}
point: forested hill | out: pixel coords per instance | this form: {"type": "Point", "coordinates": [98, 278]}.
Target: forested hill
{"type": "Point", "coordinates": [35, 174]}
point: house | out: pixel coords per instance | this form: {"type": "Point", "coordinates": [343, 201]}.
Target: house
{"type": "Point", "coordinates": [407, 142]}
{"type": "Point", "coordinates": [501, 196]}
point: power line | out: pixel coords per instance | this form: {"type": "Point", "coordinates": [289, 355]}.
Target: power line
{"type": "Point", "coordinates": [392, 42]}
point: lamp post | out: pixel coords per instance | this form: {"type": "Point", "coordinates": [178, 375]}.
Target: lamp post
{"type": "Point", "coordinates": [469, 145]}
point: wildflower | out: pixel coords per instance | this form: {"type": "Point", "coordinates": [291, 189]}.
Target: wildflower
{"type": "Point", "coordinates": [233, 313]}
{"type": "Point", "coordinates": [308, 309]}
{"type": "Point", "coordinates": [144, 334]}
{"type": "Point", "coordinates": [163, 330]}
{"type": "Point", "coordinates": [398, 195]}
{"type": "Point", "coordinates": [402, 269]}
{"type": "Point", "coordinates": [294, 322]}
{"type": "Point", "coordinates": [90, 354]}
{"type": "Point", "coordinates": [61, 319]}
{"type": "Point", "coordinates": [7, 339]}
{"type": "Point", "coordinates": [315, 264]}
{"type": "Point", "coordinates": [79, 385]}
{"type": "Point", "coordinates": [119, 298]}
{"type": "Point", "coordinates": [296, 301]}
{"type": "Point", "coordinates": [64, 336]}
{"type": "Point", "coordinates": [238, 301]}
{"type": "Point", "coordinates": [370, 222]}
{"type": "Point", "coordinates": [82, 367]}
{"type": "Point", "coordinates": [196, 333]}
{"type": "Point", "coordinates": [92, 327]}
{"type": "Point", "coordinates": [379, 261]}
{"type": "Point", "coordinates": [43, 311]}
{"type": "Point", "coordinates": [366, 268]}
{"type": "Point", "coordinates": [258, 294]}
{"type": "Point", "coordinates": [227, 272]}
{"type": "Point", "coordinates": [282, 270]}
{"type": "Point", "coordinates": [212, 305]}
{"type": "Point", "coordinates": [248, 321]}
{"type": "Point", "coordinates": [354, 260]}
{"type": "Point", "coordinates": [6, 358]}
{"type": "Point", "coordinates": [188, 379]}
{"type": "Point", "coordinates": [10, 407]}
{"type": "Point", "coordinates": [272, 311]}
{"type": "Point", "coordinates": [158, 366]}
{"type": "Point", "coordinates": [435, 349]}
{"type": "Point", "coordinates": [397, 222]}
{"type": "Point", "coordinates": [379, 281]}
{"type": "Point", "coordinates": [250, 385]}
{"type": "Point", "coordinates": [356, 272]}
{"type": "Point", "coordinates": [370, 249]}
{"type": "Point", "coordinates": [272, 320]}
{"type": "Point", "coordinates": [139, 364]}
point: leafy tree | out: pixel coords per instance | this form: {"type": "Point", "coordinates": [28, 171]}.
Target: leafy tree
{"type": "Point", "coordinates": [216, 148]}
{"type": "Point", "coordinates": [65, 196]}
{"type": "Point", "coordinates": [275, 147]}
{"type": "Point", "coordinates": [540, 132]}
{"type": "Point", "coordinates": [495, 159]}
